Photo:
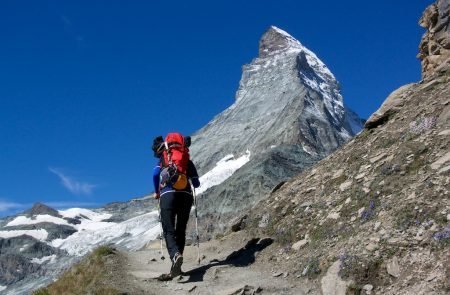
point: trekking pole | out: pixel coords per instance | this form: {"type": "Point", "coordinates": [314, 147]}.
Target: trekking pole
{"type": "Point", "coordinates": [160, 230]}
{"type": "Point", "coordinates": [196, 222]}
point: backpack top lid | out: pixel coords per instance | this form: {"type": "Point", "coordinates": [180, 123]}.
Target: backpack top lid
{"type": "Point", "coordinates": [174, 139]}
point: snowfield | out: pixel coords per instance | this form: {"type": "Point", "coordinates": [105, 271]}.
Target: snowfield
{"type": "Point", "coordinates": [23, 220]}
{"type": "Point", "coordinates": [84, 213]}
{"type": "Point", "coordinates": [222, 171]}
{"type": "Point", "coordinates": [131, 234]}
{"type": "Point", "coordinates": [38, 234]}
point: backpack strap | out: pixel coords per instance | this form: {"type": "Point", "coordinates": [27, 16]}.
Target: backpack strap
{"type": "Point", "coordinates": [169, 154]}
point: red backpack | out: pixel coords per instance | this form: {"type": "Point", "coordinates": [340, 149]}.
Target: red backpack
{"type": "Point", "coordinates": [175, 159]}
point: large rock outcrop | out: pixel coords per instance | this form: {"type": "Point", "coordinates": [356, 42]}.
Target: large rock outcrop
{"type": "Point", "coordinates": [434, 49]}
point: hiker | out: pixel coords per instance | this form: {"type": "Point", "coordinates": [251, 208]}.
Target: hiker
{"type": "Point", "coordinates": [171, 179]}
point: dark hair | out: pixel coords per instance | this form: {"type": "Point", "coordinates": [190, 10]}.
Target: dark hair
{"type": "Point", "coordinates": [158, 146]}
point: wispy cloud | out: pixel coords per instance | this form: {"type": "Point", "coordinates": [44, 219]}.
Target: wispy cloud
{"type": "Point", "coordinates": [74, 186]}
{"type": "Point", "coordinates": [6, 206]}
{"type": "Point", "coordinates": [72, 31]}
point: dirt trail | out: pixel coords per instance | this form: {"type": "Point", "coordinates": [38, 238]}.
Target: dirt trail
{"type": "Point", "coordinates": [228, 266]}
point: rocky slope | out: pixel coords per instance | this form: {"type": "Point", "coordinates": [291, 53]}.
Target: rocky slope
{"type": "Point", "coordinates": [373, 217]}
{"type": "Point", "coordinates": [288, 114]}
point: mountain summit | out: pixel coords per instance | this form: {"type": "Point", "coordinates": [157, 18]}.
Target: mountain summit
{"type": "Point", "coordinates": [287, 95]}
{"type": "Point", "coordinates": [288, 114]}
{"type": "Point", "coordinates": [274, 40]}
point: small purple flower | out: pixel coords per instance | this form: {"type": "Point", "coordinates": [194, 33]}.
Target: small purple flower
{"type": "Point", "coordinates": [422, 124]}
{"type": "Point", "coordinates": [369, 212]}
{"type": "Point", "coordinates": [442, 235]}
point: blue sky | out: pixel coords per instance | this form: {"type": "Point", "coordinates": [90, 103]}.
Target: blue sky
{"type": "Point", "coordinates": [86, 85]}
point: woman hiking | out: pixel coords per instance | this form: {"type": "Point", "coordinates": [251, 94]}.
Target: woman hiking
{"type": "Point", "coordinates": [171, 179]}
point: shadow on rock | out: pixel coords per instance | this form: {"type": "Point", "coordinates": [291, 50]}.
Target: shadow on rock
{"type": "Point", "coordinates": [240, 258]}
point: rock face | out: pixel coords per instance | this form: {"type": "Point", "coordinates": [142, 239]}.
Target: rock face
{"type": "Point", "coordinates": [27, 247]}
{"type": "Point", "coordinates": [122, 211]}
{"type": "Point", "coordinates": [288, 113]}
{"type": "Point", "coordinates": [15, 268]}
{"type": "Point", "coordinates": [434, 49]}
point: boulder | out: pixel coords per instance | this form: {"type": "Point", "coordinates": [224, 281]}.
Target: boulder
{"type": "Point", "coordinates": [331, 283]}
{"type": "Point", "coordinates": [300, 244]}
{"type": "Point", "coordinates": [390, 106]}
{"type": "Point", "coordinates": [393, 267]}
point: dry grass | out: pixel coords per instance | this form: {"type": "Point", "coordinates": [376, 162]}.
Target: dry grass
{"type": "Point", "coordinates": [85, 277]}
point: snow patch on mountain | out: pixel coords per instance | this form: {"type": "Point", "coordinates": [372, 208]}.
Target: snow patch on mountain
{"type": "Point", "coordinates": [85, 213]}
{"type": "Point", "coordinates": [38, 234]}
{"type": "Point", "coordinates": [131, 234]}
{"type": "Point", "coordinates": [222, 171]}
{"type": "Point", "coordinates": [24, 220]}
{"type": "Point", "coordinates": [50, 259]}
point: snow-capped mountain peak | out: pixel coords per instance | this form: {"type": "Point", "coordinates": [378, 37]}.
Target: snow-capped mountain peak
{"type": "Point", "coordinates": [275, 41]}
{"type": "Point", "coordinates": [288, 113]}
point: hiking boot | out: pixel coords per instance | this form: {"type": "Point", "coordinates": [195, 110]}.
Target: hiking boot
{"type": "Point", "coordinates": [176, 266]}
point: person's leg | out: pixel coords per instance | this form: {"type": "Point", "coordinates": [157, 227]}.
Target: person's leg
{"type": "Point", "coordinates": [168, 222]}
{"type": "Point", "coordinates": [183, 208]}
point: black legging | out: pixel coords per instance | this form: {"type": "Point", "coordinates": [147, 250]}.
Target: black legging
{"type": "Point", "coordinates": [175, 204]}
